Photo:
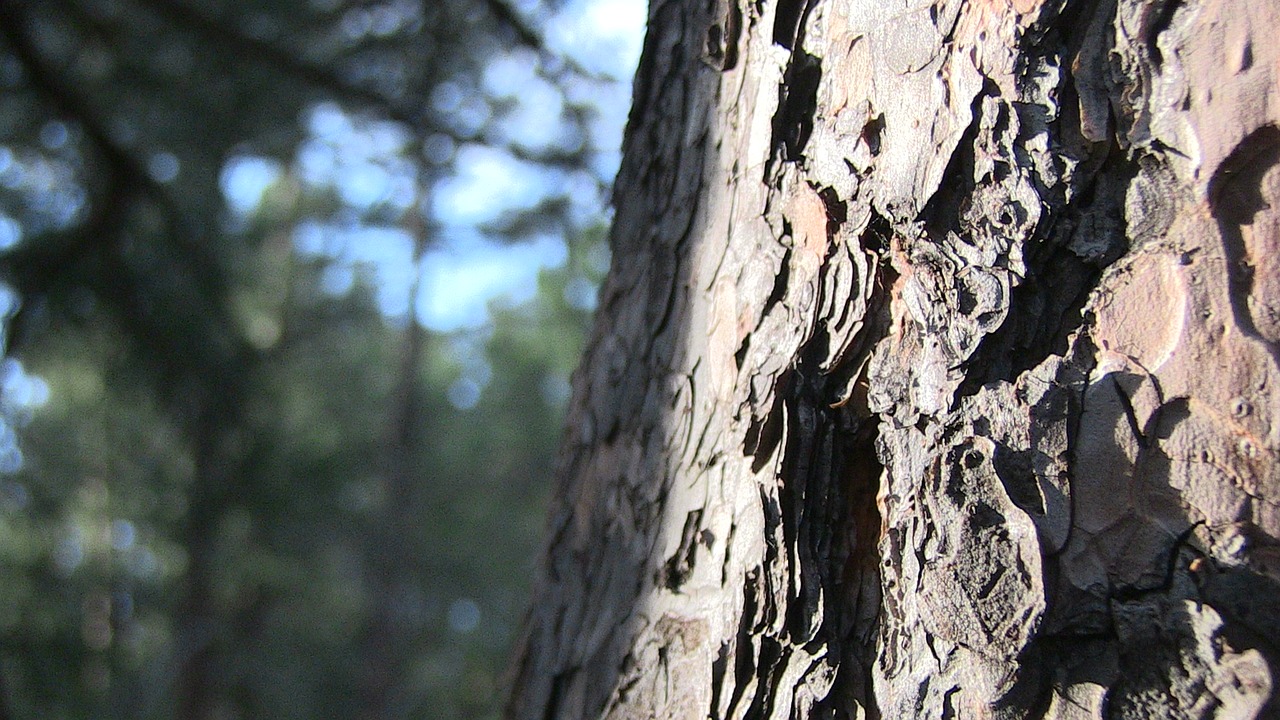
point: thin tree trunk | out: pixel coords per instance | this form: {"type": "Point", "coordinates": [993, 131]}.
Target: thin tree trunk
{"type": "Point", "coordinates": [201, 679]}
{"type": "Point", "coordinates": [4, 697]}
{"type": "Point", "coordinates": [936, 373]}
{"type": "Point", "coordinates": [386, 646]}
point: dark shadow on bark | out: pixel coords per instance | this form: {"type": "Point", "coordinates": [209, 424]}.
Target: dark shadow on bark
{"type": "Point", "coordinates": [1135, 631]}
{"type": "Point", "coordinates": [1238, 192]}
{"type": "Point", "coordinates": [610, 509]}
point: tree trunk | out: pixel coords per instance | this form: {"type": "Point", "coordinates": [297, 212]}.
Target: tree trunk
{"type": "Point", "coordinates": [391, 634]}
{"type": "Point", "coordinates": [936, 374]}
{"type": "Point", "coordinates": [201, 680]}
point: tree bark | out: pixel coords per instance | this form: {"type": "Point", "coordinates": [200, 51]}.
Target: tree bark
{"type": "Point", "coordinates": [936, 373]}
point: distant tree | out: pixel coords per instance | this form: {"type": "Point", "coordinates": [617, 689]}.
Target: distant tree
{"type": "Point", "coordinates": [936, 373]}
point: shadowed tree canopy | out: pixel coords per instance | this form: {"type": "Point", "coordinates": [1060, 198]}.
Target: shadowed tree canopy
{"type": "Point", "coordinates": [132, 109]}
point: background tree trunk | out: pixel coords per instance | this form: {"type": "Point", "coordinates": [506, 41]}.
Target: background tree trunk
{"type": "Point", "coordinates": [936, 372]}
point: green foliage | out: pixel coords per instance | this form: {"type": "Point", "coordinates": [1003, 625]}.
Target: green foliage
{"type": "Point", "coordinates": [257, 488]}
{"type": "Point", "coordinates": [109, 474]}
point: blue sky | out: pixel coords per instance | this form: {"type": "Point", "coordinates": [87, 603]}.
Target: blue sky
{"type": "Point", "coordinates": [366, 164]}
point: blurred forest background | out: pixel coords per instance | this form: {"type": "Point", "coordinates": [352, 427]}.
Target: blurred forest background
{"type": "Point", "coordinates": [291, 292]}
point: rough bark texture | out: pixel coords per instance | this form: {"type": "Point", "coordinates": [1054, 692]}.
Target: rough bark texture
{"type": "Point", "coordinates": [936, 375]}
